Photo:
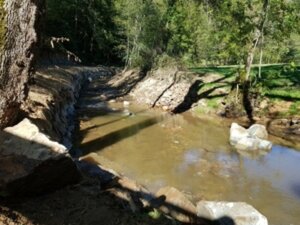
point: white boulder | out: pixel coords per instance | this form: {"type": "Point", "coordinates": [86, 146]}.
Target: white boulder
{"type": "Point", "coordinates": [253, 138]}
{"type": "Point", "coordinates": [237, 132]}
{"type": "Point", "coordinates": [241, 213]}
{"type": "Point", "coordinates": [259, 131]}
{"type": "Point", "coordinates": [31, 163]}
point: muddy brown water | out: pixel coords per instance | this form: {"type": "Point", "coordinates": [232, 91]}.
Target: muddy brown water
{"type": "Point", "coordinates": [193, 155]}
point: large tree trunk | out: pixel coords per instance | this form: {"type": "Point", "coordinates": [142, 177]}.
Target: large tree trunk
{"type": "Point", "coordinates": [19, 37]}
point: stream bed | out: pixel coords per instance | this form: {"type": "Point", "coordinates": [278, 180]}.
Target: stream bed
{"type": "Point", "coordinates": [193, 155]}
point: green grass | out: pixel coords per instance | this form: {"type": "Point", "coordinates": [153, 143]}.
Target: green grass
{"type": "Point", "coordinates": [283, 93]}
{"type": "Point", "coordinates": [294, 108]}
{"type": "Point", "coordinates": [226, 71]}
{"type": "Point", "coordinates": [281, 82]}
{"type": "Point", "coordinates": [277, 82]}
{"type": "Point", "coordinates": [213, 103]}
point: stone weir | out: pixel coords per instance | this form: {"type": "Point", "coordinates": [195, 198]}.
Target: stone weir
{"type": "Point", "coordinates": [34, 155]}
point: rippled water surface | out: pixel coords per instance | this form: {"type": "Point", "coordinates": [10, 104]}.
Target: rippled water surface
{"type": "Point", "coordinates": [194, 156]}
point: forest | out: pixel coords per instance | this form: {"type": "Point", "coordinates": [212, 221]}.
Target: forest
{"type": "Point", "coordinates": [147, 33]}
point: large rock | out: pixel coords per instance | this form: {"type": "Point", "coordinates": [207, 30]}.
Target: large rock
{"type": "Point", "coordinates": [30, 163]}
{"type": "Point", "coordinates": [252, 139]}
{"type": "Point", "coordinates": [177, 205]}
{"type": "Point", "coordinates": [237, 132]}
{"type": "Point", "coordinates": [241, 213]}
{"type": "Point", "coordinates": [259, 131]}
{"type": "Point", "coordinates": [250, 143]}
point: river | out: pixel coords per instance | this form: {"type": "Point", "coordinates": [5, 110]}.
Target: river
{"type": "Point", "coordinates": [193, 155]}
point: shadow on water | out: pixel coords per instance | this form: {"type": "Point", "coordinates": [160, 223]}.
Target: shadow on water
{"type": "Point", "coordinates": [110, 122]}
{"type": "Point", "coordinates": [296, 189]}
{"type": "Point", "coordinates": [59, 207]}
{"type": "Point", "coordinates": [116, 136]}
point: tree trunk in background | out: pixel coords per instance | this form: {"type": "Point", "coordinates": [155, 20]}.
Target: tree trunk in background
{"type": "Point", "coordinates": [260, 57]}
{"type": "Point", "coordinates": [18, 38]}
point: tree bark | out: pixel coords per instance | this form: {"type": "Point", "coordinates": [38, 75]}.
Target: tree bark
{"type": "Point", "coordinates": [20, 20]}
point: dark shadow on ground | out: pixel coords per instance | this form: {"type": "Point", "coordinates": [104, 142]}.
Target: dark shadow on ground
{"type": "Point", "coordinates": [164, 91]}
{"type": "Point", "coordinates": [113, 86]}
{"type": "Point", "coordinates": [134, 198]}
{"type": "Point", "coordinates": [126, 88]}
{"type": "Point", "coordinates": [192, 96]}
{"type": "Point", "coordinates": [88, 204]}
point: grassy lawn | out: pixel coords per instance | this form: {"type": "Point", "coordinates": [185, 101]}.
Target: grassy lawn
{"type": "Point", "coordinates": [278, 82]}
{"type": "Point", "coordinates": [224, 70]}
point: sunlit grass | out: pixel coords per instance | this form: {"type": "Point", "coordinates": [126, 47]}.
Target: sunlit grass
{"type": "Point", "coordinates": [280, 82]}
{"type": "Point", "coordinates": [289, 94]}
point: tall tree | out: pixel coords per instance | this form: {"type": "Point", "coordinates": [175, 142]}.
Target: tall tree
{"type": "Point", "coordinates": [190, 30]}
{"type": "Point", "coordinates": [19, 24]}
{"type": "Point", "coordinates": [244, 23]}
{"type": "Point", "coordinates": [140, 23]}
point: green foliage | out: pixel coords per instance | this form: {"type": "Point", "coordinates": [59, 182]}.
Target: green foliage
{"type": "Point", "coordinates": [190, 30]}
{"type": "Point", "coordinates": [140, 22]}
{"type": "Point", "coordinates": [165, 60]}
{"type": "Point", "coordinates": [138, 33]}
{"type": "Point", "coordinates": [294, 108]}
{"type": "Point", "coordinates": [238, 22]}
{"type": "Point", "coordinates": [155, 214]}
